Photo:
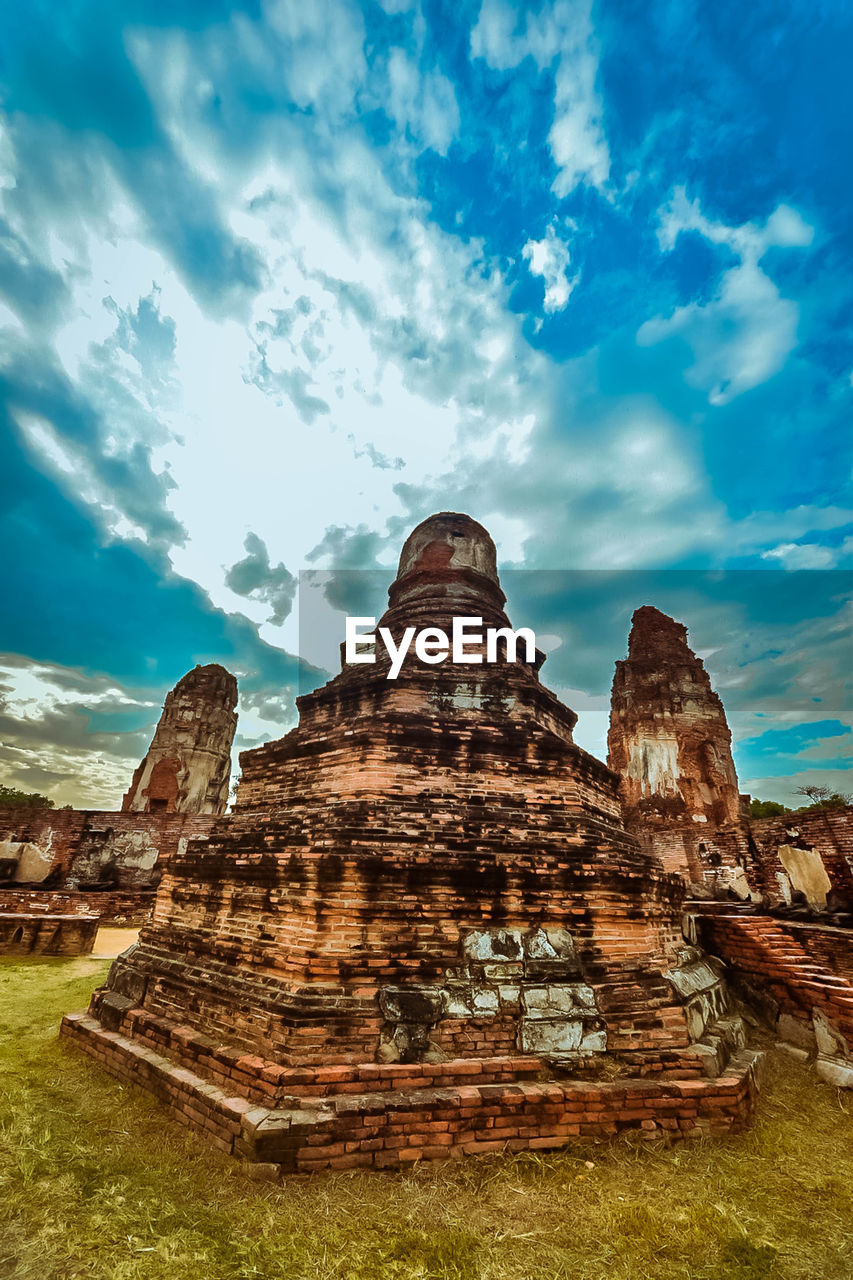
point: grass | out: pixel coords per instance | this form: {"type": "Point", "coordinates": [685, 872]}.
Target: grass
{"type": "Point", "coordinates": [97, 1182]}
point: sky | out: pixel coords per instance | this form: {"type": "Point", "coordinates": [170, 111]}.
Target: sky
{"type": "Point", "coordinates": [279, 280]}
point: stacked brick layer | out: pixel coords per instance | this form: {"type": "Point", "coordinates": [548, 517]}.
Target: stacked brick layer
{"type": "Point", "coordinates": [120, 907]}
{"type": "Point", "coordinates": [668, 736]}
{"type": "Point", "coordinates": [408, 1116]}
{"type": "Point", "coordinates": [187, 768]}
{"type": "Point", "coordinates": [829, 947]}
{"type": "Point", "coordinates": [777, 965]}
{"type": "Point", "coordinates": [282, 929]}
{"type": "Point", "coordinates": [425, 872]}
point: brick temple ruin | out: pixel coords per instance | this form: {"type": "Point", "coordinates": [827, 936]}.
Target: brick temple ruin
{"type": "Point", "coordinates": [432, 925]}
{"type": "Point", "coordinates": [424, 930]}
{"type": "Point", "coordinates": [773, 896]}
{"type": "Point", "coordinates": [60, 866]}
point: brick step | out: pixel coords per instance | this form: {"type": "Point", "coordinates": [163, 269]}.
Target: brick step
{"type": "Point", "coordinates": [269, 1083]}
{"type": "Point", "coordinates": [391, 1129]}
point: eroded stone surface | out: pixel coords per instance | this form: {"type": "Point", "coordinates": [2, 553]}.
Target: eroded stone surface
{"type": "Point", "coordinates": [670, 742]}
{"type": "Point", "coordinates": [188, 765]}
{"type": "Point", "coordinates": [806, 872]}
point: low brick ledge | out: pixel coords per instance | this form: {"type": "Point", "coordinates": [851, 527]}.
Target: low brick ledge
{"type": "Point", "coordinates": [74, 916]}
{"type": "Point", "coordinates": [401, 1126]}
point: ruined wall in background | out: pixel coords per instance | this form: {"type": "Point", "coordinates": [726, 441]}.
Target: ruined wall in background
{"type": "Point", "coordinates": [804, 858]}
{"type": "Point", "coordinates": [83, 848]}
{"type": "Point", "coordinates": [130, 907]}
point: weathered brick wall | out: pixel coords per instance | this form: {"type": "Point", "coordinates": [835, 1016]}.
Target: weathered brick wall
{"type": "Point", "coordinates": [668, 736]}
{"type": "Point", "coordinates": [697, 856]}
{"type": "Point", "coordinates": [754, 845]}
{"type": "Point", "coordinates": [90, 846]}
{"type": "Point", "coordinates": [775, 964]}
{"type": "Point", "coordinates": [426, 870]}
{"type": "Point", "coordinates": [187, 768]}
{"type": "Point", "coordinates": [386, 903]}
{"type": "Point", "coordinates": [52, 935]}
{"type": "Point", "coordinates": [398, 818]}
{"type": "Point", "coordinates": [829, 947]}
{"type": "Point", "coordinates": [123, 907]}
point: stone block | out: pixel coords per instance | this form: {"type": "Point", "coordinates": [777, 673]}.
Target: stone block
{"type": "Point", "coordinates": [795, 1031]}
{"type": "Point", "coordinates": [835, 1071]}
{"type": "Point", "coordinates": [126, 981]}
{"type": "Point", "coordinates": [484, 1000]}
{"type": "Point", "coordinates": [111, 1008]}
{"type": "Point", "coordinates": [492, 945]}
{"type": "Point", "coordinates": [556, 999]}
{"type": "Point", "coordinates": [412, 1004]}
{"type": "Point", "coordinates": [829, 1040]}
{"type": "Point", "coordinates": [693, 978]}
{"type": "Point", "coordinates": [262, 1171]}
{"type": "Point", "coordinates": [555, 1037]}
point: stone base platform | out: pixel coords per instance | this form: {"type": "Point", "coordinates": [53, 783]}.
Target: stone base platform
{"type": "Point", "coordinates": [387, 1116]}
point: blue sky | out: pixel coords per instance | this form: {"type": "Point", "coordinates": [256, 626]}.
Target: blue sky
{"type": "Point", "coordinates": [279, 280]}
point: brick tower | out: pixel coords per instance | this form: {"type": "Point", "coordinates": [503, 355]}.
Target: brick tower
{"type": "Point", "coordinates": [188, 765]}
{"type": "Point", "coordinates": [670, 743]}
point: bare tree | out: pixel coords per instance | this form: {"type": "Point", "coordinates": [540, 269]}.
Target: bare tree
{"type": "Point", "coordinates": [823, 798]}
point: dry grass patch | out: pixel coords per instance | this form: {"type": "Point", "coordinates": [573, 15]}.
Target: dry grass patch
{"type": "Point", "coordinates": [96, 1181]}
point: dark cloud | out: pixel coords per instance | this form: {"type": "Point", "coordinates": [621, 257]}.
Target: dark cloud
{"type": "Point", "coordinates": [34, 384]}
{"type": "Point", "coordinates": [70, 726]}
{"type": "Point", "coordinates": [77, 76]}
{"type": "Point", "coordinates": [380, 460]}
{"type": "Point", "coordinates": [146, 335]}
{"type": "Point", "coordinates": [348, 548]}
{"type": "Point", "coordinates": [255, 578]}
{"type": "Point", "coordinates": [290, 383]}
{"type": "Point", "coordinates": [108, 607]}
{"type": "Point", "coordinates": [275, 706]}
{"type": "Point", "coordinates": [35, 291]}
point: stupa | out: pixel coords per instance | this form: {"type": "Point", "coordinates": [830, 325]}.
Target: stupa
{"type": "Point", "coordinates": [670, 742]}
{"type": "Point", "coordinates": [187, 768]}
{"type": "Point", "coordinates": [424, 930]}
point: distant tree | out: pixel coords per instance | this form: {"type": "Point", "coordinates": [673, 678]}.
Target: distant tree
{"type": "Point", "coordinates": [767, 809]}
{"type": "Point", "coordinates": [12, 798]}
{"type": "Point", "coordinates": [823, 798]}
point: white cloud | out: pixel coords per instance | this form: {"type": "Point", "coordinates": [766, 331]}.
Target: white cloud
{"type": "Point", "coordinates": [46, 743]}
{"type": "Point", "coordinates": [559, 36]}
{"type": "Point", "coordinates": [746, 332]}
{"type": "Point", "coordinates": [356, 349]}
{"type": "Point", "coordinates": [807, 555]}
{"type": "Point", "coordinates": [320, 49]}
{"type": "Point", "coordinates": [422, 101]}
{"type": "Point", "coordinates": [550, 259]}
{"type": "Point", "coordinates": [373, 336]}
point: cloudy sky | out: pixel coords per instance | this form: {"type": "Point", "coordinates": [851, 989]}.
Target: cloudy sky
{"type": "Point", "coordinates": [277, 280]}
